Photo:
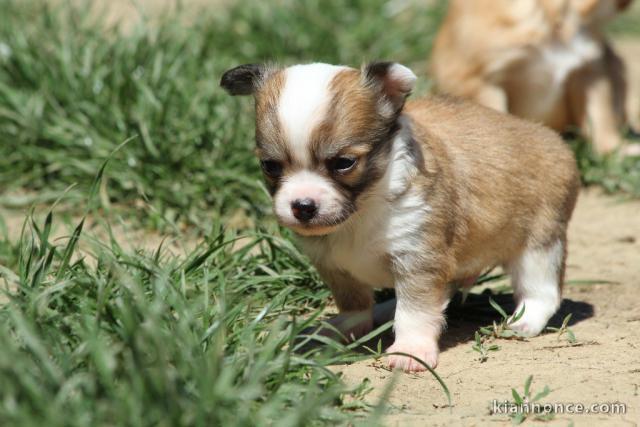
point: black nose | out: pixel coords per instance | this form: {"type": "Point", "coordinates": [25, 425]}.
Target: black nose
{"type": "Point", "coordinates": [304, 209]}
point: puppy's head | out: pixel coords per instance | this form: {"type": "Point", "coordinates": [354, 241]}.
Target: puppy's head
{"type": "Point", "coordinates": [323, 135]}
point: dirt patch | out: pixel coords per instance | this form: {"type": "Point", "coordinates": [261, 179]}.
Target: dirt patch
{"type": "Point", "coordinates": [603, 367]}
{"type": "Point", "coordinates": [127, 233]}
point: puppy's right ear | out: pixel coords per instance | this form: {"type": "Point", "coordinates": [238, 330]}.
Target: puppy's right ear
{"type": "Point", "coordinates": [243, 79]}
{"type": "Point", "coordinates": [392, 81]}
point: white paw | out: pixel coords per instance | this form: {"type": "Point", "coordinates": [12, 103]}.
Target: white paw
{"type": "Point", "coordinates": [424, 349]}
{"type": "Point", "coordinates": [534, 319]}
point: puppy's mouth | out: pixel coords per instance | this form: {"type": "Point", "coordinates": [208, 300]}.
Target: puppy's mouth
{"type": "Point", "coordinates": [311, 230]}
{"type": "Point", "coordinates": [318, 226]}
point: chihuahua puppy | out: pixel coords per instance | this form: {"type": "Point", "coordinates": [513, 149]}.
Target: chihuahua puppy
{"type": "Point", "coordinates": [544, 60]}
{"type": "Point", "coordinates": [414, 196]}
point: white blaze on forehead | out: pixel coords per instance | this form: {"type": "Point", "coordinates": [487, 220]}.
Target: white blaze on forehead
{"type": "Point", "coordinates": [303, 103]}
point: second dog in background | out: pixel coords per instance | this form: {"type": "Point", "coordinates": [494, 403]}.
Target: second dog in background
{"type": "Point", "coordinates": [543, 60]}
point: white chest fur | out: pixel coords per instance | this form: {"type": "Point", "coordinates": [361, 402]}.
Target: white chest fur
{"type": "Point", "coordinates": [561, 58]}
{"type": "Point", "coordinates": [388, 222]}
{"type": "Point", "coordinates": [541, 82]}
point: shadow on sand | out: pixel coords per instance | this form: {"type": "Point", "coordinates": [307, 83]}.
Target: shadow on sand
{"type": "Point", "coordinates": [464, 319]}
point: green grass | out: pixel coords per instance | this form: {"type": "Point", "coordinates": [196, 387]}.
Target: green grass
{"type": "Point", "coordinates": [626, 24]}
{"type": "Point", "coordinates": [528, 398]}
{"type": "Point", "coordinates": [72, 90]}
{"type": "Point", "coordinates": [104, 336]}
{"type": "Point", "coordinates": [613, 173]}
{"type": "Point", "coordinates": [92, 333]}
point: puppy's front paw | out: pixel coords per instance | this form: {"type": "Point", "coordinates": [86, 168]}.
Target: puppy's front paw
{"type": "Point", "coordinates": [425, 350]}
{"type": "Point", "coordinates": [527, 328]}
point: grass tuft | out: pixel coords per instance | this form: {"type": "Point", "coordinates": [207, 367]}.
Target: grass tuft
{"type": "Point", "coordinates": [104, 336]}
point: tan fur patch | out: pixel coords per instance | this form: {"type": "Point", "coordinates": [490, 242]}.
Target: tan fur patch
{"type": "Point", "coordinates": [269, 137]}
{"type": "Point", "coordinates": [349, 128]}
{"type": "Point", "coordinates": [474, 172]}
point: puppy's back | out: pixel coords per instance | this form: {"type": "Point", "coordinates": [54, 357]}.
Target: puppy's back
{"type": "Point", "coordinates": [473, 131]}
{"type": "Point", "coordinates": [500, 164]}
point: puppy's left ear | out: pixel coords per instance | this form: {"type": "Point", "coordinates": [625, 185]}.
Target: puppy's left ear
{"type": "Point", "coordinates": [393, 81]}
{"type": "Point", "coordinates": [243, 79]}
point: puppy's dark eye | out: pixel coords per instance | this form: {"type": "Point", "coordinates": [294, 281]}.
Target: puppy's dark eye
{"type": "Point", "coordinates": [342, 164]}
{"type": "Point", "coordinates": [272, 168]}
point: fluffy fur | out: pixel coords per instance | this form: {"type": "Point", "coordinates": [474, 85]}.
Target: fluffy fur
{"type": "Point", "coordinates": [439, 190]}
{"type": "Point", "coordinates": [544, 60]}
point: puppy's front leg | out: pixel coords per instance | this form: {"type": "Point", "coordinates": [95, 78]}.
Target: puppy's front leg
{"type": "Point", "coordinates": [354, 301]}
{"type": "Point", "coordinates": [419, 320]}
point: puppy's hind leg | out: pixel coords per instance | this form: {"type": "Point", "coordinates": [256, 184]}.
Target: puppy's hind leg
{"type": "Point", "coordinates": [536, 277]}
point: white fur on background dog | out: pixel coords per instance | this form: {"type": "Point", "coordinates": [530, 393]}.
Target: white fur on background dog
{"type": "Point", "coordinates": [563, 58]}
{"type": "Point", "coordinates": [560, 60]}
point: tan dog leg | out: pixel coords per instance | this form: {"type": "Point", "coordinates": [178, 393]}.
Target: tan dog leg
{"type": "Point", "coordinates": [633, 104]}
{"type": "Point", "coordinates": [597, 98]}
